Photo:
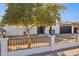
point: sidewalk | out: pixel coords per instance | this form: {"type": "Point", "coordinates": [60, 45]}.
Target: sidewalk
{"type": "Point", "coordinates": [73, 51]}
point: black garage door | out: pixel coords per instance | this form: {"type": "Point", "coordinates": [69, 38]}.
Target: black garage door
{"type": "Point", "coordinates": [65, 29]}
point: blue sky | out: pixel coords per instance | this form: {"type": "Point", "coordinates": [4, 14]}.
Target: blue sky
{"type": "Point", "coordinates": [70, 14]}
{"type": "Point", "coordinates": [3, 7]}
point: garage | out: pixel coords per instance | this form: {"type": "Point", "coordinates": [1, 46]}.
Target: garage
{"type": "Point", "coordinates": [65, 29]}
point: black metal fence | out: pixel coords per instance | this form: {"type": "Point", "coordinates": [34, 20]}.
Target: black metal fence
{"type": "Point", "coordinates": [19, 43]}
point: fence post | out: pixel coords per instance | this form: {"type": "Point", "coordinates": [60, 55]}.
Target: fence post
{"type": "Point", "coordinates": [72, 29]}
{"type": "Point", "coordinates": [77, 39]}
{"type": "Point", "coordinates": [4, 47]}
{"type": "Point", "coordinates": [52, 42]}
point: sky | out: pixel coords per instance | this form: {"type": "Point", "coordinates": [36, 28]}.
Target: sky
{"type": "Point", "coordinates": [71, 13]}
{"type": "Point", "coordinates": [3, 7]}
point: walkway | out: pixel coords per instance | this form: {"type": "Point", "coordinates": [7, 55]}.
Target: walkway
{"type": "Point", "coordinates": [63, 52]}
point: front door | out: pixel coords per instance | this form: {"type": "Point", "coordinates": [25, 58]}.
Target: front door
{"type": "Point", "coordinates": [41, 30]}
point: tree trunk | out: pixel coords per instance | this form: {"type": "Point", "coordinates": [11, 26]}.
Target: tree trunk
{"type": "Point", "coordinates": [28, 35]}
{"type": "Point", "coordinates": [27, 29]}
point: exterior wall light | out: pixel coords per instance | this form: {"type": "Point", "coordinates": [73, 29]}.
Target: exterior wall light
{"type": "Point", "coordinates": [4, 33]}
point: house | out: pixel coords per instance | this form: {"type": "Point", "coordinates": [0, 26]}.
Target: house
{"type": "Point", "coordinates": [66, 27]}
{"type": "Point", "coordinates": [18, 30]}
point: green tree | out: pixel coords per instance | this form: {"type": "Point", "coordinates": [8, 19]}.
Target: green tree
{"type": "Point", "coordinates": [21, 14]}
{"type": "Point", "coordinates": [55, 10]}
{"type": "Point", "coordinates": [29, 15]}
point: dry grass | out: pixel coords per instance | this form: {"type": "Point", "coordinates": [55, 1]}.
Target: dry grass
{"type": "Point", "coordinates": [25, 46]}
{"type": "Point", "coordinates": [65, 39]}
{"type": "Point", "coordinates": [22, 43]}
